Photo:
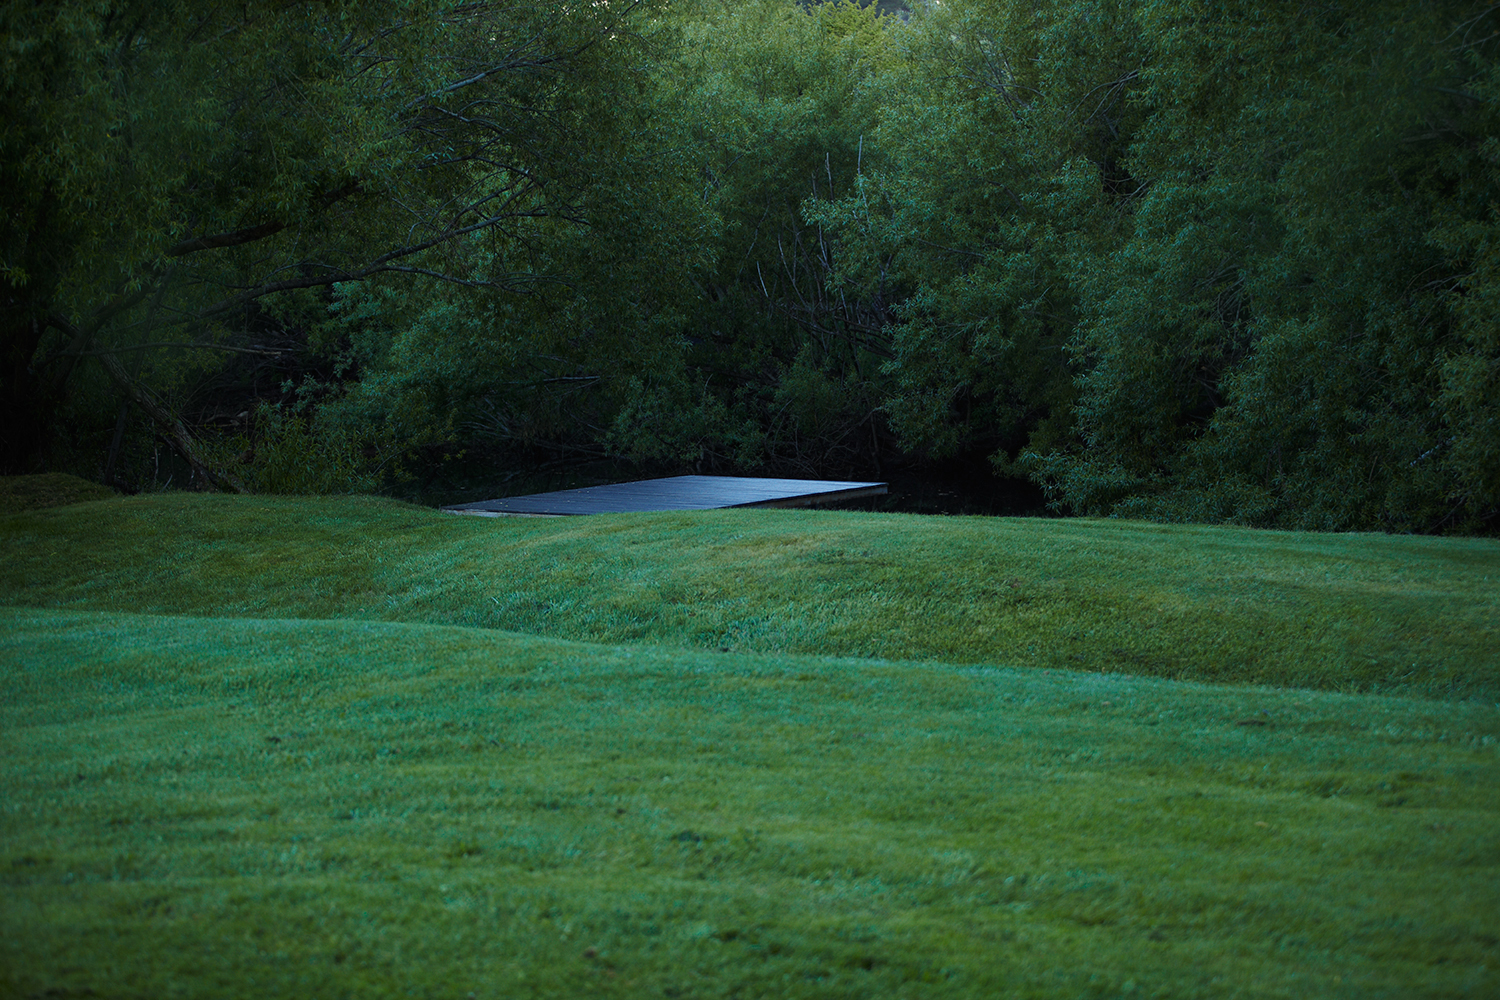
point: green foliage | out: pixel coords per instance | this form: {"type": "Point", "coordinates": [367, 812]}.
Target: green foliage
{"type": "Point", "coordinates": [1267, 345]}
{"type": "Point", "coordinates": [1232, 263]}
{"type": "Point", "coordinates": [779, 101]}
{"type": "Point", "coordinates": [552, 354]}
{"type": "Point", "coordinates": [663, 421]}
{"type": "Point", "coordinates": [1470, 243]}
{"type": "Point", "coordinates": [287, 452]}
{"type": "Point", "coordinates": [985, 194]}
{"type": "Point", "coordinates": [1190, 266]}
{"type": "Point", "coordinates": [198, 158]}
{"type": "Point", "coordinates": [689, 302]}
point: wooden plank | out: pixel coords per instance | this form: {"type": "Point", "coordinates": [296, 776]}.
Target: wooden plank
{"type": "Point", "coordinates": [674, 493]}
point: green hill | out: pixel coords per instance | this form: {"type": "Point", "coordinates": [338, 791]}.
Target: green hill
{"type": "Point", "coordinates": [259, 744]}
{"type": "Point", "coordinates": [51, 489]}
{"type": "Point", "coordinates": [1344, 612]}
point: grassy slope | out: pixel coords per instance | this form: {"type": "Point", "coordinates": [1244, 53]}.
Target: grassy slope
{"type": "Point", "coordinates": [214, 807]}
{"type": "Point", "coordinates": [1342, 612]}
{"type": "Point", "coordinates": [376, 806]}
{"type": "Point", "coordinates": [50, 489]}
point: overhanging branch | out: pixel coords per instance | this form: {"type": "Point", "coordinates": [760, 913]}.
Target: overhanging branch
{"type": "Point", "coordinates": [193, 346]}
{"type": "Point", "coordinates": [167, 422]}
{"type": "Point", "coordinates": [251, 234]}
{"type": "Point", "coordinates": [379, 265]}
{"type": "Point", "coordinates": [221, 240]}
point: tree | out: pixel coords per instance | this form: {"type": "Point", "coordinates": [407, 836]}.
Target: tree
{"type": "Point", "coordinates": [780, 101]}
{"type": "Point", "coordinates": [696, 329]}
{"type": "Point", "coordinates": [999, 153]}
{"type": "Point", "coordinates": [1201, 263]}
{"type": "Point", "coordinates": [167, 166]}
{"type": "Point", "coordinates": [1268, 343]}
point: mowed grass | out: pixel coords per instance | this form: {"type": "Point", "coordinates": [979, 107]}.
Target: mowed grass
{"type": "Point", "coordinates": [51, 489]}
{"type": "Point", "coordinates": [354, 748]}
{"type": "Point", "coordinates": [232, 807]}
{"type": "Point", "coordinates": [1336, 612]}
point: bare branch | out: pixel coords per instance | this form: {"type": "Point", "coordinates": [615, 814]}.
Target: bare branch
{"type": "Point", "coordinates": [379, 265]}
{"type": "Point", "coordinates": [254, 233]}
{"type": "Point", "coordinates": [512, 286]}
{"type": "Point", "coordinates": [220, 240]}
{"type": "Point", "coordinates": [267, 351]}
{"type": "Point", "coordinates": [171, 427]}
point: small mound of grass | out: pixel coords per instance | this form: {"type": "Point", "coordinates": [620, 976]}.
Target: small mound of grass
{"type": "Point", "coordinates": [50, 489]}
{"type": "Point", "coordinates": [354, 808]}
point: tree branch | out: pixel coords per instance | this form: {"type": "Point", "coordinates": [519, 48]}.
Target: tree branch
{"type": "Point", "coordinates": [171, 427]}
{"type": "Point", "coordinates": [254, 233]}
{"type": "Point", "coordinates": [379, 265]}
{"type": "Point", "coordinates": [267, 351]}
{"type": "Point", "coordinates": [221, 240]}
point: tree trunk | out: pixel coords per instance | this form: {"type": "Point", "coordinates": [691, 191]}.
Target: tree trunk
{"type": "Point", "coordinates": [31, 243]}
{"type": "Point", "coordinates": [25, 410]}
{"type": "Point", "coordinates": [171, 428]}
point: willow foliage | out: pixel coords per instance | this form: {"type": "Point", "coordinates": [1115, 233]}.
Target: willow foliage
{"type": "Point", "coordinates": [1169, 258]}
{"type": "Point", "coordinates": [1208, 262]}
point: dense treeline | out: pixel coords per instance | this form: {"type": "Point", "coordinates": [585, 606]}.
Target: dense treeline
{"type": "Point", "coordinates": [1222, 262]}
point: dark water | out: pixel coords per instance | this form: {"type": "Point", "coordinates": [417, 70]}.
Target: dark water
{"type": "Point", "coordinates": [976, 494]}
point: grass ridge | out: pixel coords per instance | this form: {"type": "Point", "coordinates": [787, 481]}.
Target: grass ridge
{"type": "Point", "coordinates": [549, 818]}
{"type": "Point", "coordinates": [1373, 613]}
{"type": "Point", "coordinates": [350, 747]}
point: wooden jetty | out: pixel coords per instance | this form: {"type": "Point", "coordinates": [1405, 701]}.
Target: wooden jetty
{"type": "Point", "coordinates": [673, 493]}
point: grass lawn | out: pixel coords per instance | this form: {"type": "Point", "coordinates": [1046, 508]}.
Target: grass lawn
{"type": "Point", "coordinates": [325, 748]}
{"type": "Point", "coordinates": [1338, 612]}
